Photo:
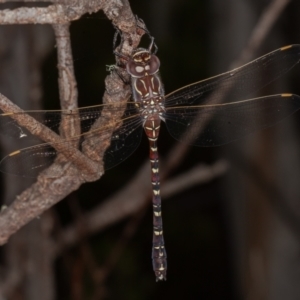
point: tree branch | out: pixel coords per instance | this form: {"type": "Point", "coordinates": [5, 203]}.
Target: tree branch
{"type": "Point", "coordinates": [53, 14]}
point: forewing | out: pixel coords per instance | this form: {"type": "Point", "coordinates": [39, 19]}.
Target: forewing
{"type": "Point", "coordinates": [238, 83]}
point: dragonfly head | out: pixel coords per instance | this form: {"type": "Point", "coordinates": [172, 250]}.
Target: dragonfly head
{"type": "Point", "coordinates": [142, 63]}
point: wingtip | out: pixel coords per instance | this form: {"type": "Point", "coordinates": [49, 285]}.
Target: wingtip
{"type": "Point", "coordinates": [286, 47]}
{"type": "Point", "coordinates": [14, 153]}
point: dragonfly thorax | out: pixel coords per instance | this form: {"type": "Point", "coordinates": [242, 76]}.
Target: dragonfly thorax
{"type": "Point", "coordinates": [147, 89]}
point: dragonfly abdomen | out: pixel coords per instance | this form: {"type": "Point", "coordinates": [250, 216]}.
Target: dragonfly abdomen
{"type": "Point", "coordinates": [159, 255]}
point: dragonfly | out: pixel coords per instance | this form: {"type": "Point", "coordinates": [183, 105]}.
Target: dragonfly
{"type": "Point", "coordinates": [195, 114]}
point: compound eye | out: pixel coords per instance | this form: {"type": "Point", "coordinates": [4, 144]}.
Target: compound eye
{"type": "Point", "coordinates": [154, 64]}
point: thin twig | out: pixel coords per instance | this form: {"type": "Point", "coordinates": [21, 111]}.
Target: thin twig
{"type": "Point", "coordinates": [53, 14]}
{"type": "Point", "coordinates": [68, 94]}
{"type": "Point", "coordinates": [66, 79]}
{"type": "Point", "coordinates": [261, 30]}
{"type": "Point", "coordinates": [200, 174]}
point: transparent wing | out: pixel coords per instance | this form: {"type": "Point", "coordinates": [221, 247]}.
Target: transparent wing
{"type": "Point", "coordinates": [214, 125]}
{"type": "Point", "coordinates": [238, 83]}
{"type": "Point", "coordinates": [124, 142]}
{"type": "Point", "coordinates": [52, 118]}
{"type": "Point", "coordinates": [29, 162]}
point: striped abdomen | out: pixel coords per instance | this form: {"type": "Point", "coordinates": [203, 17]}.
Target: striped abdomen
{"type": "Point", "coordinates": [159, 255]}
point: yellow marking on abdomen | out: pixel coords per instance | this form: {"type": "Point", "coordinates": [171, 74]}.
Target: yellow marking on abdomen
{"type": "Point", "coordinates": [158, 232]}
{"type": "Point", "coordinates": [157, 214]}
{"type": "Point", "coordinates": [286, 95]}
{"type": "Point", "coordinates": [14, 153]}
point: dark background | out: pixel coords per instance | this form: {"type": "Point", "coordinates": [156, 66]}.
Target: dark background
{"type": "Point", "coordinates": [235, 237]}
